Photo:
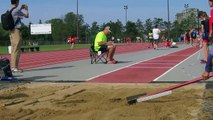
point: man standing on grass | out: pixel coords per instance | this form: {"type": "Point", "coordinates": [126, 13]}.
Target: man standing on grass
{"type": "Point", "coordinates": [16, 34]}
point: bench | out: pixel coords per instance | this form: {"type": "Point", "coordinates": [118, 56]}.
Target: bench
{"type": "Point", "coordinates": [30, 48]}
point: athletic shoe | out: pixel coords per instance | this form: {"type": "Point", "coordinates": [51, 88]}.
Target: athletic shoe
{"type": "Point", "coordinates": [115, 61]}
{"type": "Point", "coordinates": [111, 62]}
{"type": "Point", "coordinates": [203, 61]}
{"type": "Point", "coordinates": [15, 70]}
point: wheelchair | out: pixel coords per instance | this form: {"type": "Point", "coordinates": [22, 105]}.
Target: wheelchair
{"type": "Point", "coordinates": [97, 56]}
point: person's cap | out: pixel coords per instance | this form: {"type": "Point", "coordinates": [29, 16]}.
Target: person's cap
{"type": "Point", "coordinates": [107, 28]}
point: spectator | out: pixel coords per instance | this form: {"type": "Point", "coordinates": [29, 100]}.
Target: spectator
{"type": "Point", "coordinates": [128, 40]}
{"type": "Point", "coordinates": [16, 34]}
{"type": "Point", "coordinates": [156, 35]}
{"type": "Point", "coordinates": [119, 40]}
{"type": "Point", "coordinates": [205, 34]}
{"type": "Point", "coordinates": [150, 38]}
{"type": "Point", "coordinates": [186, 37]}
{"type": "Point", "coordinates": [168, 44]}
{"type": "Point", "coordinates": [193, 36]}
{"type": "Point", "coordinates": [72, 40]}
{"type": "Point", "coordinates": [209, 63]}
{"type": "Point", "coordinates": [102, 45]}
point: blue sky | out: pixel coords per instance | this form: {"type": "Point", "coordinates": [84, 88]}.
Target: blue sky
{"type": "Point", "coordinates": [105, 10]}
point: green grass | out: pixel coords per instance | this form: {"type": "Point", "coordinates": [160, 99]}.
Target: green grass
{"type": "Point", "coordinates": [4, 49]}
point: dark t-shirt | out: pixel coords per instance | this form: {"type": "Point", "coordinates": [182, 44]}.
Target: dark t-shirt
{"type": "Point", "coordinates": [205, 24]}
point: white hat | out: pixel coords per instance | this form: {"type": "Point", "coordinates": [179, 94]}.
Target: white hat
{"type": "Point", "coordinates": [107, 28]}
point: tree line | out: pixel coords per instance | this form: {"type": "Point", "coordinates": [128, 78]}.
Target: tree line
{"type": "Point", "coordinates": [67, 26]}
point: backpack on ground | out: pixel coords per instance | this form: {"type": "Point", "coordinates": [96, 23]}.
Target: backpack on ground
{"type": "Point", "coordinates": [7, 20]}
{"type": "Point", "coordinates": [5, 70]}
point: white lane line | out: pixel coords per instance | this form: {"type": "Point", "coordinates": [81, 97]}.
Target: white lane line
{"type": "Point", "coordinates": [171, 63]}
{"type": "Point", "coordinates": [176, 66]}
{"type": "Point", "coordinates": [150, 67]}
{"type": "Point", "coordinates": [131, 65]}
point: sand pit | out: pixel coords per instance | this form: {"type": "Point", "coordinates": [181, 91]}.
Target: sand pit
{"type": "Point", "coordinates": [45, 101]}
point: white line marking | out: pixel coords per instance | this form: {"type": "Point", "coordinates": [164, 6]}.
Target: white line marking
{"type": "Point", "coordinates": [175, 66]}
{"type": "Point", "coordinates": [131, 65]}
{"type": "Point", "coordinates": [149, 67]}
{"type": "Point", "coordinates": [172, 63]}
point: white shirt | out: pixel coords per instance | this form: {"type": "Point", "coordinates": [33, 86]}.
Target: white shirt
{"type": "Point", "coordinates": [156, 33]}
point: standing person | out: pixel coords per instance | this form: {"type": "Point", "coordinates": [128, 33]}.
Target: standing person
{"type": "Point", "coordinates": [102, 45]}
{"type": "Point", "coordinates": [150, 37]}
{"type": "Point", "coordinates": [193, 36]}
{"type": "Point", "coordinates": [156, 35]}
{"type": "Point", "coordinates": [128, 40]}
{"type": "Point", "coordinates": [16, 34]}
{"type": "Point", "coordinates": [187, 37]}
{"type": "Point", "coordinates": [211, 18]}
{"type": "Point", "coordinates": [209, 63]}
{"type": "Point", "coordinates": [72, 40]}
{"type": "Point", "coordinates": [205, 34]}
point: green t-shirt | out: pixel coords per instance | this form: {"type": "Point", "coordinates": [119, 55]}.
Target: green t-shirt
{"type": "Point", "coordinates": [100, 37]}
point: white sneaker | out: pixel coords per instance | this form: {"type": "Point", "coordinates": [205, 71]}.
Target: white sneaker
{"type": "Point", "coordinates": [15, 70]}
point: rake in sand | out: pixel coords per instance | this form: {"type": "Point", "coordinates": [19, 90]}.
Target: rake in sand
{"type": "Point", "coordinates": [166, 91]}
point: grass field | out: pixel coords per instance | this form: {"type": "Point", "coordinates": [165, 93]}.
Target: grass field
{"type": "Point", "coordinates": [4, 49]}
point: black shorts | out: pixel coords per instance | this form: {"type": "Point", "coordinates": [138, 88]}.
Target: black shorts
{"type": "Point", "coordinates": [194, 37]}
{"type": "Point", "coordinates": [103, 48]}
{"type": "Point", "coordinates": [156, 41]}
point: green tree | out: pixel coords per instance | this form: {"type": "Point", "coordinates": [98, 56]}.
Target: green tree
{"type": "Point", "coordinates": [95, 28]}
{"type": "Point", "coordinates": [140, 27]}
{"type": "Point", "coordinates": [131, 30]}
{"type": "Point", "coordinates": [116, 28]}
{"type": "Point", "coordinates": [148, 26]}
{"type": "Point", "coordinates": [4, 36]}
{"type": "Point", "coordinates": [58, 31]}
{"type": "Point", "coordinates": [158, 21]}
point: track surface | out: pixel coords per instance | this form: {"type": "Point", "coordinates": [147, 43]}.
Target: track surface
{"type": "Point", "coordinates": [145, 72]}
{"type": "Point", "coordinates": [137, 64]}
{"type": "Point", "coordinates": [39, 59]}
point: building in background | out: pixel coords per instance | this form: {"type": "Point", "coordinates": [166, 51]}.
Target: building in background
{"type": "Point", "coordinates": [186, 14]}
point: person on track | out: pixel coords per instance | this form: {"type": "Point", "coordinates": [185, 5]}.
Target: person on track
{"type": "Point", "coordinates": [156, 35]}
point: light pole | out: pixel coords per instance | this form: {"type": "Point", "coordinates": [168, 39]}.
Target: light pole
{"type": "Point", "coordinates": [126, 8]}
{"type": "Point", "coordinates": [186, 6]}
{"type": "Point", "coordinates": [168, 11]}
{"type": "Point", "coordinates": [77, 26]}
{"type": "Point", "coordinates": [198, 21]}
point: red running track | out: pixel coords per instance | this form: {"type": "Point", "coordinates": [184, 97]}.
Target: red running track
{"type": "Point", "coordinates": [39, 59]}
{"type": "Point", "coordinates": [147, 71]}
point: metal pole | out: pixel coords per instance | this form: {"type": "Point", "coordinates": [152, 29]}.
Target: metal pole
{"type": "Point", "coordinates": [125, 8]}
{"type": "Point", "coordinates": [77, 27]}
{"type": "Point", "coordinates": [198, 21]}
{"type": "Point", "coordinates": [187, 6]}
{"type": "Point", "coordinates": [168, 10]}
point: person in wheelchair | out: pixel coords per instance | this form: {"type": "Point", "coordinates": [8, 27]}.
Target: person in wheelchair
{"type": "Point", "coordinates": [101, 44]}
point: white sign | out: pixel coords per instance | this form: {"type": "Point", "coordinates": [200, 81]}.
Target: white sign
{"type": "Point", "coordinates": [38, 29]}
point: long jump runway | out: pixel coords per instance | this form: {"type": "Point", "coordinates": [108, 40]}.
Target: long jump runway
{"type": "Point", "coordinates": [137, 64]}
{"type": "Point", "coordinates": [147, 71]}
